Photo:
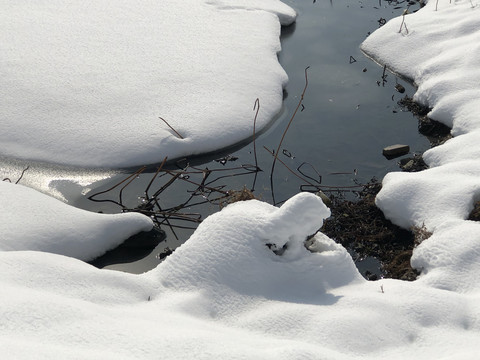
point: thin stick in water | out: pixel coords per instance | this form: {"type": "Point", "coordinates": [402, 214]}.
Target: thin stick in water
{"type": "Point", "coordinates": [285, 132]}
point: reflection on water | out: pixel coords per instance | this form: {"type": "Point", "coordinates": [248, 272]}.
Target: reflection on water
{"type": "Point", "coordinates": [349, 115]}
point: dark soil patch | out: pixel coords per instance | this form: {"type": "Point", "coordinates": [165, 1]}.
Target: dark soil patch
{"type": "Point", "coordinates": [361, 227]}
{"type": "Point", "coordinates": [436, 132]}
{"type": "Point", "coordinates": [475, 214]}
{"type": "Point", "coordinates": [413, 164]}
{"type": "Point", "coordinates": [240, 195]}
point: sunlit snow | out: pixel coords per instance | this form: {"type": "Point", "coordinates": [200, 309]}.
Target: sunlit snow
{"type": "Point", "coordinates": [225, 294]}
{"type": "Point", "coordinates": [88, 82]}
{"type": "Point", "coordinates": [34, 221]}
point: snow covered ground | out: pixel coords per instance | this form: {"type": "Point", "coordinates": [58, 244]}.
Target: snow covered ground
{"type": "Point", "coordinates": [88, 82]}
{"type": "Point", "coordinates": [34, 221]}
{"type": "Point", "coordinates": [225, 293]}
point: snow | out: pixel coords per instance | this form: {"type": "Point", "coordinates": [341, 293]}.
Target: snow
{"type": "Point", "coordinates": [34, 221]}
{"type": "Point", "coordinates": [88, 82]}
{"type": "Point", "coordinates": [440, 54]}
{"type": "Point", "coordinates": [225, 293]}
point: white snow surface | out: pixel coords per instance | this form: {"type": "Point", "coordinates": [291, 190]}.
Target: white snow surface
{"type": "Point", "coordinates": [225, 294]}
{"type": "Point", "coordinates": [84, 83]}
{"type": "Point", "coordinates": [33, 221]}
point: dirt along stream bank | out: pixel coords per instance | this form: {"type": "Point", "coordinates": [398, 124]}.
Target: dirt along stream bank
{"type": "Point", "coordinates": [363, 229]}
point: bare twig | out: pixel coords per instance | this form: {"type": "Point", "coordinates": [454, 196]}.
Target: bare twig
{"type": "Point", "coordinates": [21, 175]}
{"type": "Point", "coordinates": [135, 174]}
{"type": "Point", "coordinates": [120, 194]}
{"type": "Point", "coordinates": [384, 75]}
{"type": "Point", "coordinates": [256, 107]}
{"type": "Point", "coordinates": [197, 184]}
{"type": "Point", "coordinates": [20, 178]}
{"type": "Point", "coordinates": [286, 166]}
{"type": "Point", "coordinates": [403, 24]}
{"type": "Point", "coordinates": [154, 176]}
{"type": "Point", "coordinates": [319, 181]}
{"type": "Point", "coordinates": [285, 132]}
{"type": "Point", "coordinates": [175, 131]}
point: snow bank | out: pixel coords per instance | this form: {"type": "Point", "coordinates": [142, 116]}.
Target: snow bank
{"type": "Point", "coordinates": [34, 221]}
{"type": "Point", "coordinates": [85, 83]}
{"type": "Point", "coordinates": [226, 294]}
{"type": "Point", "coordinates": [440, 53]}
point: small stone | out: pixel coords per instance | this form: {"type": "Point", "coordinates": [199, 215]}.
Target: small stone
{"type": "Point", "coordinates": [394, 151]}
{"type": "Point", "coordinates": [400, 88]}
{"type": "Point", "coordinates": [326, 200]}
{"type": "Point", "coordinates": [408, 165]}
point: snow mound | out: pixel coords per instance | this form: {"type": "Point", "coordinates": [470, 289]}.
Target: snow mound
{"type": "Point", "coordinates": [86, 83]}
{"type": "Point", "coordinates": [439, 52]}
{"type": "Point", "coordinates": [247, 263]}
{"type": "Point", "coordinates": [440, 199]}
{"type": "Point", "coordinates": [435, 197]}
{"type": "Point", "coordinates": [450, 258]}
{"type": "Point", "coordinates": [34, 221]}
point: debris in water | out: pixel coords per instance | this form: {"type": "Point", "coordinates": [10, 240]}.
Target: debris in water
{"type": "Point", "coordinates": [167, 251]}
{"type": "Point", "coordinates": [394, 151]}
{"type": "Point", "coordinates": [400, 88]}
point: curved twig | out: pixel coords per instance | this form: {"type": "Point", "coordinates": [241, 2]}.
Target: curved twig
{"type": "Point", "coordinates": [285, 132]}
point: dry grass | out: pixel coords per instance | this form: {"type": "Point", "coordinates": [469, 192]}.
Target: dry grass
{"type": "Point", "coordinates": [362, 227]}
{"type": "Point", "coordinates": [420, 234]}
{"type": "Point", "coordinates": [239, 195]}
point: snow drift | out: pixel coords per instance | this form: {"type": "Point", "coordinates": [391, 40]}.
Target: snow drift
{"type": "Point", "coordinates": [87, 82]}
{"type": "Point", "coordinates": [226, 294]}
{"type": "Point", "coordinates": [34, 221]}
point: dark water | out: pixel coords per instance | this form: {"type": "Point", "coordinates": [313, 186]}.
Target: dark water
{"type": "Point", "coordinates": [348, 116]}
